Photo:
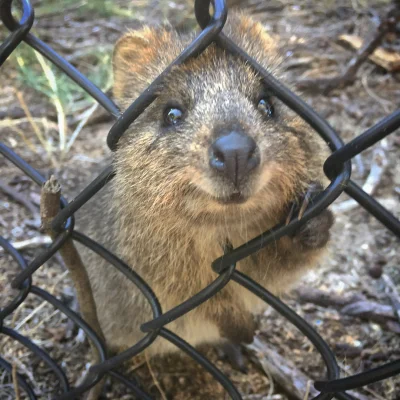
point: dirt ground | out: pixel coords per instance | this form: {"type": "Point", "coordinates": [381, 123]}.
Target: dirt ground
{"type": "Point", "coordinates": [348, 300]}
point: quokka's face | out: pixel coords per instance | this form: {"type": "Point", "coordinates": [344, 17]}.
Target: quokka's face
{"type": "Point", "coordinates": [215, 138]}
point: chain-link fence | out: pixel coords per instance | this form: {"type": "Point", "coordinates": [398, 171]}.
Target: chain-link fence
{"type": "Point", "coordinates": [337, 168]}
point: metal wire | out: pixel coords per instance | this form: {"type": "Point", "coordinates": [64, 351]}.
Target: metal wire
{"type": "Point", "coordinates": [337, 168]}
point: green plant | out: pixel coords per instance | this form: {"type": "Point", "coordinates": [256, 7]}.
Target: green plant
{"type": "Point", "coordinates": [66, 97]}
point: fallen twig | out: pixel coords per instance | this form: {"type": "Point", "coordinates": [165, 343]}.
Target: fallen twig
{"type": "Point", "coordinates": [32, 122]}
{"type": "Point", "coordinates": [18, 112]}
{"type": "Point", "coordinates": [85, 117]}
{"type": "Point", "coordinates": [34, 242]}
{"type": "Point", "coordinates": [15, 381]}
{"type": "Point", "coordinates": [155, 380]}
{"type": "Point", "coordinates": [393, 294]}
{"type": "Point", "coordinates": [382, 57]}
{"type": "Point", "coordinates": [308, 388]}
{"type": "Point", "coordinates": [378, 167]}
{"type": "Point", "coordinates": [326, 299]}
{"type": "Point", "coordinates": [45, 143]}
{"type": "Point", "coordinates": [385, 104]}
{"type": "Point", "coordinates": [388, 24]}
{"type": "Point", "coordinates": [284, 372]}
{"type": "Point", "coordinates": [20, 198]}
{"type": "Point", "coordinates": [355, 305]}
{"type": "Point", "coordinates": [369, 310]}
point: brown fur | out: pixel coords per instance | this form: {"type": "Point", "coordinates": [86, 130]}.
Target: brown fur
{"type": "Point", "coordinates": [160, 215]}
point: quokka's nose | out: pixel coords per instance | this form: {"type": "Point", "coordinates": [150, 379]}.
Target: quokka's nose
{"type": "Point", "coordinates": [234, 155]}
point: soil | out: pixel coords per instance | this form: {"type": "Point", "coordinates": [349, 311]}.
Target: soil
{"type": "Point", "coordinates": [363, 260]}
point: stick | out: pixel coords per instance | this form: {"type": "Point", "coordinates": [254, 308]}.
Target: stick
{"type": "Point", "coordinates": [294, 382]}
{"type": "Point", "coordinates": [49, 207]}
{"type": "Point", "coordinates": [155, 380]}
{"type": "Point", "coordinates": [369, 310]}
{"type": "Point", "coordinates": [326, 299]}
{"type": "Point", "coordinates": [18, 112]}
{"type": "Point", "coordinates": [356, 306]}
{"type": "Point", "coordinates": [283, 371]}
{"type": "Point", "coordinates": [393, 294]}
{"type": "Point", "coordinates": [378, 168]}
{"type": "Point", "coordinates": [15, 381]}
{"type": "Point", "coordinates": [32, 122]}
{"type": "Point", "coordinates": [36, 241]}
{"type": "Point", "coordinates": [349, 75]}
{"type": "Point", "coordinates": [20, 198]}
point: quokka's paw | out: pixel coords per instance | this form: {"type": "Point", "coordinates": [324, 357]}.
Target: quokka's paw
{"type": "Point", "coordinates": [233, 353]}
{"type": "Point", "coordinates": [315, 233]}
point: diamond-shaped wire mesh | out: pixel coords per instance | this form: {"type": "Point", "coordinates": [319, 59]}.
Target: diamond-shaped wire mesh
{"type": "Point", "coordinates": [337, 168]}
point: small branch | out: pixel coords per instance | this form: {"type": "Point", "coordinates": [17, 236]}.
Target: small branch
{"type": "Point", "coordinates": [293, 381]}
{"type": "Point", "coordinates": [15, 382]}
{"type": "Point", "coordinates": [34, 242]}
{"type": "Point", "coordinates": [283, 371]}
{"type": "Point", "coordinates": [369, 310]}
{"type": "Point", "coordinates": [326, 299]}
{"type": "Point", "coordinates": [393, 294]}
{"type": "Point", "coordinates": [49, 207]}
{"type": "Point", "coordinates": [349, 75]}
{"type": "Point", "coordinates": [32, 122]}
{"type": "Point", "coordinates": [356, 306]}
{"type": "Point", "coordinates": [18, 112]}
{"type": "Point", "coordinates": [155, 380]}
{"type": "Point", "coordinates": [378, 167]}
{"type": "Point", "coordinates": [85, 117]}
{"type": "Point", "coordinates": [20, 198]}
{"type": "Point", "coordinates": [308, 388]}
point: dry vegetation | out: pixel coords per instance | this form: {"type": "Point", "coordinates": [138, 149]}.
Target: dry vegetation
{"type": "Point", "coordinates": [58, 129]}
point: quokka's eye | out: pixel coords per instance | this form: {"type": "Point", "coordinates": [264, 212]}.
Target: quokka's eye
{"type": "Point", "coordinates": [173, 115]}
{"type": "Point", "coordinates": [266, 108]}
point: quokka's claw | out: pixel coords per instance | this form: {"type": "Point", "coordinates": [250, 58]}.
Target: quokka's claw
{"type": "Point", "coordinates": [312, 191]}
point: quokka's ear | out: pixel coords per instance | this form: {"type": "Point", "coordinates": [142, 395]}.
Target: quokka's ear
{"type": "Point", "coordinates": [139, 57]}
{"type": "Point", "coordinates": [252, 37]}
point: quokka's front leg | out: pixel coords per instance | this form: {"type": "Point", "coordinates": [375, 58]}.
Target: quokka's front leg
{"type": "Point", "coordinates": [315, 233]}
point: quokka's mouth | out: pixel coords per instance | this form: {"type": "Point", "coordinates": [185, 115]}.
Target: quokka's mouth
{"type": "Point", "coordinates": [234, 198]}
